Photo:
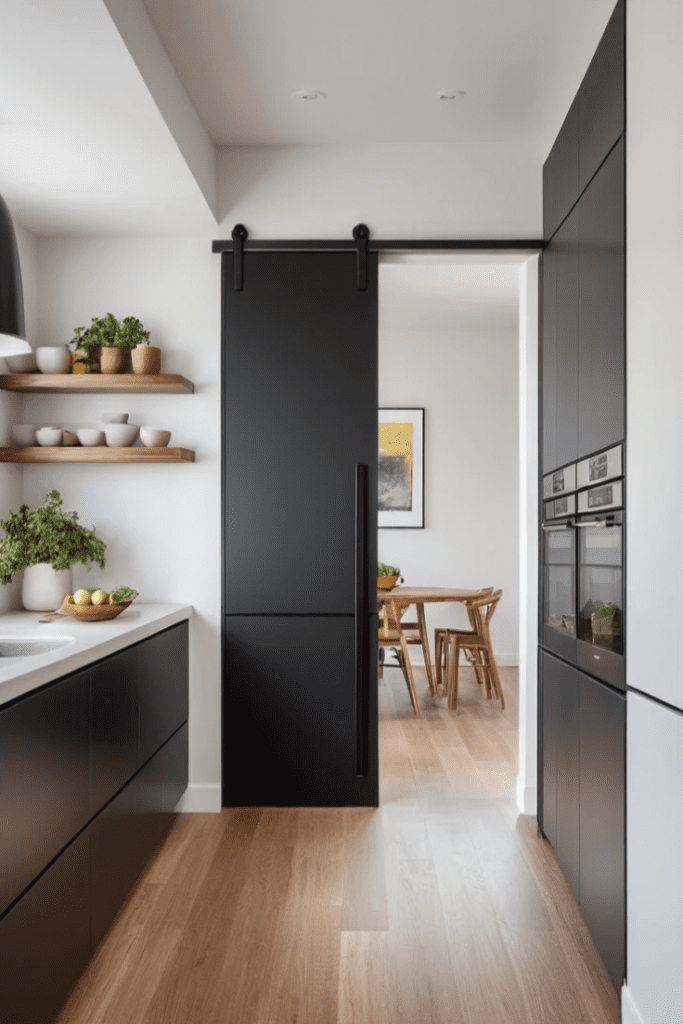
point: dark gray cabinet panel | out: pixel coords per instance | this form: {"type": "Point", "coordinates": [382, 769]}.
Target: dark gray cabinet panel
{"type": "Point", "coordinates": [125, 835]}
{"type": "Point", "coordinates": [163, 690]}
{"type": "Point", "coordinates": [602, 97]}
{"type": "Point", "coordinates": [115, 725]}
{"type": "Point", "coordinates": [561, 173]}
{"type": "Point", "coordinates": [549, 358]}
{"type": "Point", "coordinates": [602, 341]}
{"type": "Point", "coordinates": [550, 741]}
{"type": "Point", "coordinates": [289, 695]}
{"type": "Point", "coordinates": [45, 939]}
{"type": "Point", "coordinates": [567, 847]}
{"type": "Point", "coordinates": [603, 833]}
{"type": "Point", "coordinates": [44, 779]}
{"type": "Point", "coordinates": [567, 339]}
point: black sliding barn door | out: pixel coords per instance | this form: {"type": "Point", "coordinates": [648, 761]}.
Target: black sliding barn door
{"type": "Point", "coordinates": [299, 375]}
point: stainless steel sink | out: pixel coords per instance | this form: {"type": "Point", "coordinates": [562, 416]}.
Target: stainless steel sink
{"type": "Point", "coordinates": [29, 647]}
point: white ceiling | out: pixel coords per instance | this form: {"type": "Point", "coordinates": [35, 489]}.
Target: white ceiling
{"type": "Point", "coordinates": [426, 295]}
{"type": "Point", "coordinates": [381, 64]}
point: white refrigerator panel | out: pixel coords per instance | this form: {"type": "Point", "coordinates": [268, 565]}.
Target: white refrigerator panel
{"type": "Point", "coordinates": [654, 885]}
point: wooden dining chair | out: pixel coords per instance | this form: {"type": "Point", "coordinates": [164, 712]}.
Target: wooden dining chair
{"type": "Point", "coordinates": [478, 642]}
{"type": "Point", "coordinates": [398, 636]}
{"type": "Point", "coordinates": [440, 645]}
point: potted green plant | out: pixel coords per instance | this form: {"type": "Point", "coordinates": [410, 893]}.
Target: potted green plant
{"type": "Point", "coordinates": [387, 576]}
{"type": "Point", "coordinates": [146, 358]}
{"type": "Point", "coordinates": [107, 344]}
{"type": "Point", "coordinates": [45, 544]}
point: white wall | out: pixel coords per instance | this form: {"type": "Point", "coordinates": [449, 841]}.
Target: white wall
{"type": "Point", "coordinates": [10, 405]}
{"type": "Point", "coordinates": [161, 524]}
{"type": "Point", "coordinates": [654, 467]}
{"type": "Point", "coordinates": [471, 529]}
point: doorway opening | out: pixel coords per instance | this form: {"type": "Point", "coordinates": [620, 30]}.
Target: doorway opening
{"type": "Point", "coordinates": [458, 338]}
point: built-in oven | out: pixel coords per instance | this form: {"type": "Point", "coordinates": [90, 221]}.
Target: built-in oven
{"type": "Point", "coordinates": [558, 602]}
{"type": "Point", "coordinates": [600, 584]}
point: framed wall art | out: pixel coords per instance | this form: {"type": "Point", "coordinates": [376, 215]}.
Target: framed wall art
{"type": "Point", "coordinates": [401, 467]}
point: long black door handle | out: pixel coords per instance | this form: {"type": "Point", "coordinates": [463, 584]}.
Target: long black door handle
{"type": "Point", "coordinates": [363, 621]}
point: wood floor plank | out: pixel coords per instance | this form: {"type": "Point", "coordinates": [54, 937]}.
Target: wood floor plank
{"type": "Point", "coordinates": [444, 905]}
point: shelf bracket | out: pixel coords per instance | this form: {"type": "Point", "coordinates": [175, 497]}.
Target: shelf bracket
{"type": "Point", "coordinates": [239, 237]}
{"type": "Point", "coordinates": [361, 233]}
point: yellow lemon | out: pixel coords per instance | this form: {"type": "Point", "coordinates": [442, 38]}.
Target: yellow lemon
{"type": "Point", "coordinates": [99, 597]}
{"type": "Point", "coordinates": [69, 599]}
{"type": "Point", "coordinates": [82, 597]}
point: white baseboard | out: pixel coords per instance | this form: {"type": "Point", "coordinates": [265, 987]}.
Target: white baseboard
{"type": "Point", "coordinates": [526, 797]}
{"type": "Point", "coordinates": [630, 1014]}
{"type": "Point", "coordinates": [200, 798]}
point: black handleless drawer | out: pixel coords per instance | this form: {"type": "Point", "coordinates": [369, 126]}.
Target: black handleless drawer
{"type": "Point", "coordinates": [164, 691]}
{"type": "Point", "coordinates": [115, 725]}
{"type": "Point", "coordinates": [44, 779]}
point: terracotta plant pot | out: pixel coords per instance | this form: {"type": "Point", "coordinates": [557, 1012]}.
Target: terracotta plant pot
{"type": "Point", "coordinates": [146, 359]}
{"type": "Point", "coordinates": [112, 359]}
{"type": "Point", "coordinates": [94, 360]}
{"type": "Point", "coordinates": [387, 582]}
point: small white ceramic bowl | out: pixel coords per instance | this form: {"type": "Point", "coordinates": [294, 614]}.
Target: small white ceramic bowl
{"type": "Point", "coordinates": [153, 437]}
{"type": "Point", "coordinates": [53, 359]}
{"type": "Point", "coordinates": [120, 435]}
{"type": "Point", "coordinates": [115, 417]}
{"type": "Point", "coordinates": [24, 435]}
{"type": "Point", "coordinates": [49, 436]}
{"type": "Point", "coordinates": [91, 437]}
{"type": "Point", "coordinates": [21, 364]}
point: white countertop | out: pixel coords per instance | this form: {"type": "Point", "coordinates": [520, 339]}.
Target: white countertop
{"type": "Point", "coordinates": [92, 641]}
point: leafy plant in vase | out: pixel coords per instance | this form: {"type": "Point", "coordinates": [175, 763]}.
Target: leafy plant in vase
{"type": "Point", "coordinates": [45, 544]}
{"type": "Point", "coordinates": [146, 358]}
{"type": "Point", "coordinates": [387, 576]}
{"type": "Point", "coordinates": [106, 345]}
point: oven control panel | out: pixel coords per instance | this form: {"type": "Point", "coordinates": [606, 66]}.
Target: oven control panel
{"type": "Point", "coordinates": [562, 481]}
{"type": "Point", "coordinates": [603, 497]}
{"type": "Point", "coordinates": [598, 468]}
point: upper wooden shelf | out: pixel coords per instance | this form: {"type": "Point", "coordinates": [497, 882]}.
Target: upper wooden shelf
{"type": "Point", "coordinates": [76, 453]}
{"type": "Point", "coordinates": [96, 383]}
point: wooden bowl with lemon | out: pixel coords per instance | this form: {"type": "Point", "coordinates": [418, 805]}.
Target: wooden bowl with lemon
{"type": "Point", "coordinates": [96, 605]}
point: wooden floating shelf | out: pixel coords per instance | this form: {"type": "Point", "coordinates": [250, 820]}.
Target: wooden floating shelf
{"type": "Point", "coordinates": [96, 383]}
{"type": "Point", "coordinates": [103, 454]}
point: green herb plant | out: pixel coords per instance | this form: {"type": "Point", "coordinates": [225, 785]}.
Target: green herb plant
{"type": "Point", "coordinates": [46, 535]}
{"type": "Point", "coordinates": [123, 594]}
{"type": "Point", "coordinates": [605, 611]}
{"type": "Point", "coordinates": [107, 332]}
{"type": "Point", "coordinates": [387, 570]}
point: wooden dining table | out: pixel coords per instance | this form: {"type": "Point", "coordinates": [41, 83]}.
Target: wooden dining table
{"type": "Point", "coordinates": [420, 596]}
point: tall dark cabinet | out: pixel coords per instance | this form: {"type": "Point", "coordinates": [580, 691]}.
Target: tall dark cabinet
{"type": "Point", "coordinates": [300, 525]}
{"type": "Point", "coordinates": [582, 720]}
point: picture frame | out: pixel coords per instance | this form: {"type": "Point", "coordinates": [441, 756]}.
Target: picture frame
{"type": "Point", "coordinates": [401, 462]}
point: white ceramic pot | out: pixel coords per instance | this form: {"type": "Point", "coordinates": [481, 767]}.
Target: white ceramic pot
{"type": "Point", "coordinates": [120, 435]}
{"type": "Point", "coordinates": [49, 436]}
{"type": "Point", "coordinates": [53, 360]}
{"type": "Point", "coordinates": [91, 437]}
{"type": "Point", "coordinates": [154, 437]}
{"type": "Point", "coordinates": [43, 589]}
{"type": "Point", "coordinates": [21, 364]}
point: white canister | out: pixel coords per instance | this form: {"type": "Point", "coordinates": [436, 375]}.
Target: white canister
{"type": "Point", "coordinates": [44, 589]}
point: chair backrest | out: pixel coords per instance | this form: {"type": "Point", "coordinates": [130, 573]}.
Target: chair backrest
{"type": "Point", "coordinates": [471, 615]}
{"type": "Point", "coordinates": [482, 610]}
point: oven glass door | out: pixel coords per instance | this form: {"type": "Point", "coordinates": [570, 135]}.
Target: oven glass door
{"type": "Point", "coordinates": [559, 601]}
{"type": "Point", "coordinates": [601, 586]}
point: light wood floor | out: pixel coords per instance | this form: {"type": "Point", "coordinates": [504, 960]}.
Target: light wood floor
{"type": "Point", "coordinates": [444, 906]}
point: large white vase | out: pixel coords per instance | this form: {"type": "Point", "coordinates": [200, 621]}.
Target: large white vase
{"type": "Point", "coordinates": [43, 589]}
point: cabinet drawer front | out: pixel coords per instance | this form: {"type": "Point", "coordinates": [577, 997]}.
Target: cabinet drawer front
{"type": "Point", "coordinates": [45, 939]}
{"type": "Point", "coordinates": [44, 779]}
{"type": "Point", "coordinates": [163, 682]}
{"type": "Point", "coordinates": [115, 727]}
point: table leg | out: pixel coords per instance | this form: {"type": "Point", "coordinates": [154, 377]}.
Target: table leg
{"type": "Point", "coordinates": [407, 667]}
{"type": "Point", "coordinates": [425, 647]}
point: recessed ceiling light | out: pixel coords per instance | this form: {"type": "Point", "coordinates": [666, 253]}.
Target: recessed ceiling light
{"type": "Point", "coordinates": [309, 95]}
{"type": "Point", "coordinates": [452, 94]}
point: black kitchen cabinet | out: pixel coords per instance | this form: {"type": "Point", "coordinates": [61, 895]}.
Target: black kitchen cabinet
{"type": "Point", "coordinates": [602, 98]}
{"type": "Point", "coordinates": [163, 692]}
{"type": "Point", "coordinates": [603, 828]}
{"type": "Point", "coordinates": [549, 358]}
{"type": "Point", "coordinates": [560, 756]}
{"type": "Point", "coordinates": [567, 344]}
{"type": "Point", "coordinates": [45, 939]}
{"type": "Point", "coordinates": [130, 828]}
{"type": "Point", "coordinates": [561, 173]}
{"type": "Point", "coordinates": [66, 861]}
{"type": "Point", "coordinates": [582, 808]}
{"type": "Point", "coordinates": [602, 299]}
{"type": "Point", "coordinates": [44, 779]}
